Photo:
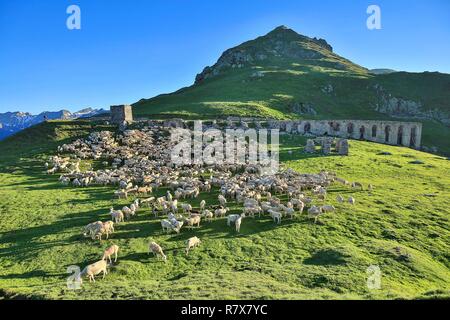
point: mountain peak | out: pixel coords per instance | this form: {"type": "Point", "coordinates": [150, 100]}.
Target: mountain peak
{"type": "Point", "coordinates": [280, 43]}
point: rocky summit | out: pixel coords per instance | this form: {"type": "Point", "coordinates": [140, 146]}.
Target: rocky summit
{"type": "Point", "coordinates": [279, 43]}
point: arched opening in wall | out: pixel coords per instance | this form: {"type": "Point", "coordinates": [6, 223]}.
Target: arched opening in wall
{"type": "Point", "coordinates": [374, 131]}
{"type": "Point", "coordinates": [413, 138]}
{"type": "Point", "coordinates": [350, 128]}
{"type": "Point", "coordinates": [387, 132]}
{"type": "Point", "coordinates": [362, 132]}
{"type": "Point", "coordinates": [335, 126]}
{"type": "Point", "coordinates": [307, 128]}
{"type": "Point", "coordinates": [400, 136]}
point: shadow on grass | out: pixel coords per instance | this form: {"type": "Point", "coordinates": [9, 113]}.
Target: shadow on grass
{"type": "Point", "coordinates": [326, 257]}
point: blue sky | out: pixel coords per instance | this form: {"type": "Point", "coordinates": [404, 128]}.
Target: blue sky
{"type": "Point", "coordinates": [128, 50]}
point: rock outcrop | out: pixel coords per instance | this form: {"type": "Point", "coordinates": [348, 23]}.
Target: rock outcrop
{"type": "Point", "coordinates": [404, 108]}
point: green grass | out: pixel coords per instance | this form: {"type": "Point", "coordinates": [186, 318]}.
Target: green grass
{"type": "Point", "coordinates": [40, 233]}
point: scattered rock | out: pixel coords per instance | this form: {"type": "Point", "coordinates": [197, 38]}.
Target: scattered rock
{"type": "Point", "coordinates": [327, 89]}
{"type": "Point", "coordinates": [385, 153]}
{"type": "Point", "coordinates": [417, 162]}
{"type": "Point", "coordinates": [343, 147]}
{"type": "Point", "coordinates": [310, 146]}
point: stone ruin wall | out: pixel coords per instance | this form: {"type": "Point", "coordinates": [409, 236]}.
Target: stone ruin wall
{"type": "Point", "coordinates": [408, 134]}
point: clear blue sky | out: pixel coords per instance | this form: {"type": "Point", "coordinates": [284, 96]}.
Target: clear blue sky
{"type": "Point", "coordinates": [130, 49]}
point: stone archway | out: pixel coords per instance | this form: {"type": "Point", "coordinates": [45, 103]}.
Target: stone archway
{"type": "Point", "coordinates": [387, 131]}
{"type": "Point", "coordinates": [362, 132]}
{"type": "Point", "coordinates": [350, 128]}
{"type": "Point", "coordinates": [374, 131]}
{"type": "Point", "coordinates": [400, 136]}
{"type": "Point", "coordinates": [413, 137]}
{"type": "Point", "coordinates": [307, 127]}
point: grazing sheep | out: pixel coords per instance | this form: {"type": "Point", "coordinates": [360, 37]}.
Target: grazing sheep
{"type": "Point", "coordinates": [156, 250]}
{"type": "Point", "coordinates": [314, 213]}
{"type": "Point", "coordinates": [121, 194]}
{"type": "Point", "coordinates": [92, 228]}
{"type": "Point", "coordinates": [187, 208]}
{"type": "Point", "coordinates": [202, 205]}
{"type": "Point", "coordinates": [357, 185]}
{"type": "Point", "coordinates": [342, 181]}
{"type": "Point", "coordinates": [233, 217]}
{"type": "Point", "coordinates": [148, 201]}
{"type": "Point", "coordinates": [351, 200]}
{"type": "Point", "coordinates": [289, 212]}
{"type": "Point", "coordinates": [370, 187]}
{"type": "Point", "coordinates": [221, 212]}
{"type": "Point", "coordinates": [276, 216]}
{"type": "Point", "coordinates": [144, 190]}
{"type": "Point", "coordinates": [113, 250]}
{"type": "Point", "coordinates": [222, 200]}
{"type": "Point", "coordinates": [208, 215]}
{"type": "Point", "coordinates": [128, 212]}
{"type": "Point", "coordinates": [117, 215]}
{"type": "Point", "coordinates": [324, 209]}
{"type": "Point", "coordinates": [238, 223]}
{"type": "Point", "coordinates": [109, 227]}
{"type": "Point", "coordinates": [94, 269]}
{"type": "Point", "coordinates": [192, 243]}
{"type": "Point", "coordinates": [166, 225]}
{"type": "Point", "coordinates": [193, 220]}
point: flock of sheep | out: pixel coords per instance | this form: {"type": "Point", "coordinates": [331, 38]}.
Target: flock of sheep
{"type": "Point", "coordinates": [138, 163]}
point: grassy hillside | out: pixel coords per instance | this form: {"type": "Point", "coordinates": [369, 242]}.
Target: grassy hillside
{"type": "Point", "coordinates": [403, 227]}
{"type": "Point", "coordinates": [299, 72]}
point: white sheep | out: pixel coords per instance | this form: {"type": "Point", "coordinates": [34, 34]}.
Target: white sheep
{"type": "Point", "coordinates": [202, 205]}
{"type": "Point", "coordinates": [193, 220]}
{"type": "Point", "coordinates": [186, 207]}
{"type": "Point", "coordinates": [357, 185]}
{"type": "Point", "coordinates": [94, 269]}
{"type": "Point", "coordinates": [113, 250]}
{"type": "Point", "coordinates": [222, 200]}
{"type": "Point", "coordinates": [156, 250]}
{"type": "Point", "coordinates": [220, 212]}
{"type": "Point", "coordinates": [351, 200]}
{"type": "Point", "coordinates": [208, 215]}
{"type": "Point", "coordinates": [238, 223]}
{"type": "Point", "coordinates": [327, 208]}
{"type": "Point", "coordinates": [314, 213]}
{"type": "Point", "coordinates": [117, 215]}
{"type": "Point", "coordinates": [192, 243]}
{"type": "Point", "coordinates": [276, 215]}
{"type": "Point", "coordinates": [233, 217]}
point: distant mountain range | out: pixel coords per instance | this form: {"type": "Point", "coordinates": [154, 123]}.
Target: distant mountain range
{"type": "Point", "coordinates": [12, 122]}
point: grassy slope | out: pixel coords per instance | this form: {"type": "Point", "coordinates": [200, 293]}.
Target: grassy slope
{"type": "Point", "coordinates": [41, 222]}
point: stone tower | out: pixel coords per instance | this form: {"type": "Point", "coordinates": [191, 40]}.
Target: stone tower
{"type": "Point", "coordinates": [121, 113]}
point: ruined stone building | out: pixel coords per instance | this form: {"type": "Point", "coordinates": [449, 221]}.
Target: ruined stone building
{"type": "Point", "coordinates": [399, 133]}
{"type": "Point", "coordinates": [121, 114]}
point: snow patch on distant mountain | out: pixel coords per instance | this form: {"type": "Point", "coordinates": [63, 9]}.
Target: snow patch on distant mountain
{"type": "Point", "coordinates": [12, 122]}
